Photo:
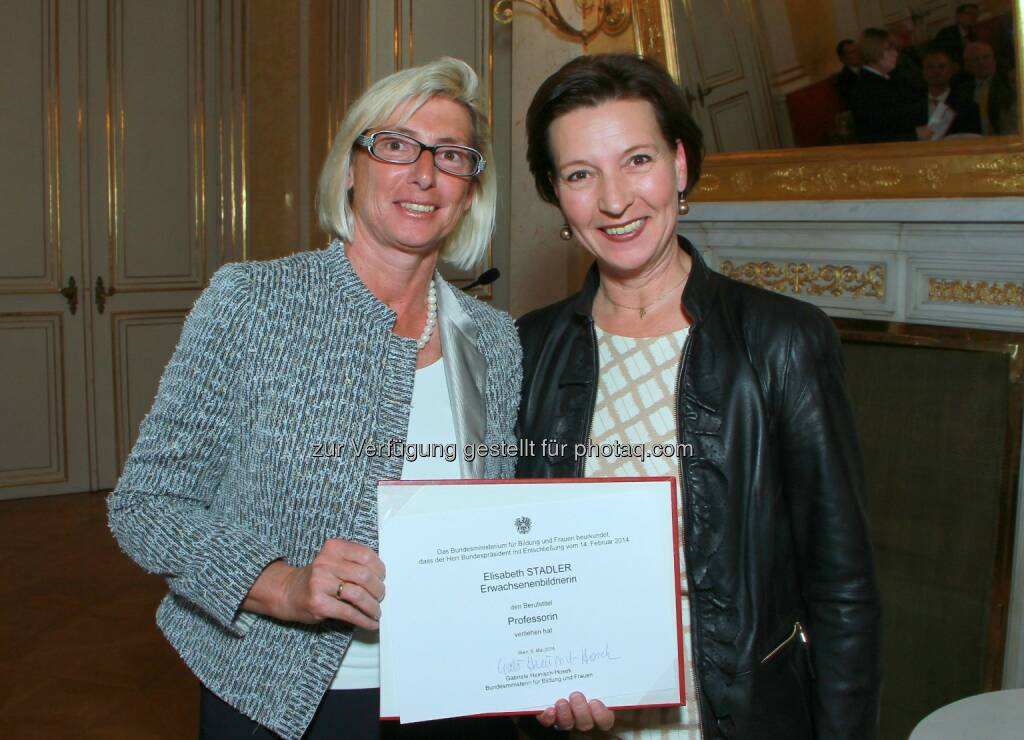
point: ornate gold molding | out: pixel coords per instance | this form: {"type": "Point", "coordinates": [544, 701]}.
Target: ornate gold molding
{"type": "Point", "coordinates": [1002, 172]}
{"type": "Point", "coordinates": [803, 278]}
{"type": "Point", "coordinates": [612, 17]}
{"type": "Point", "coordinates": [831, 178]}
{"type": "Point", "coordinates": [985, 167]}
{"type": "Point", "coordinates": [653, 32]}
{"type": "Point", "coordinates": [976, 292]}
{"type": "Point", "coordinates": [877, 173]}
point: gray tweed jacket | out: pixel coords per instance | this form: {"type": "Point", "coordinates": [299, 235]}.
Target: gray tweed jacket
{"type": "Point", "coordinates": [277, 361]}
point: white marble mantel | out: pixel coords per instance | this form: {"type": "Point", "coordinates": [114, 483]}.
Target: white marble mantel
{"type": "Point", "coordinates": [930, 261]}
{"type": "Point", "coordinates": [952, 262]}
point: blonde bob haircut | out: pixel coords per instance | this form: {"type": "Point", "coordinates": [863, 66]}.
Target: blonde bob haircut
{"type": "Point", "coordinates": [873, 44]}
{"type": "Point", "coordinates": [449, 78]}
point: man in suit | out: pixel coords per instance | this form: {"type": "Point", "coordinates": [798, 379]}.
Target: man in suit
{"type": "Point", "coordinates": [938, 70]}
{"type": "Point", "coordinates": [846, 80]}
{"type": "Point", "coordinates": [958, 35]}
{"type": "Point", "coordinates": [991, 90]}
{"type": "Point", "coordinates": [885, 109]}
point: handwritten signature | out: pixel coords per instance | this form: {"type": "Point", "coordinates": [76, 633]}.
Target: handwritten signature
{"type": "Point", "coordinates": [555, 661]}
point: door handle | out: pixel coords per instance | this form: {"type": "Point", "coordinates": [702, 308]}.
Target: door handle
{"type": "Point", "coordinates": [702, 92]}
{"type": "Point", "coordinates": [70, 293]}
{"type": "Point", "coordinates": [101, 294]}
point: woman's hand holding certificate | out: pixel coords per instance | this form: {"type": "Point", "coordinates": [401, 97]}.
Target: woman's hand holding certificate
{"type": "Point", "coordinates": [498, 598]}
{"type": "Point", "coordinates": [576, 713]}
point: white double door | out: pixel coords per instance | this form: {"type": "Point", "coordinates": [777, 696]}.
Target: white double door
{"type": "Point", "coordinates": [108, 200]}
{"type": "Point", "coordinates": [723, 73]}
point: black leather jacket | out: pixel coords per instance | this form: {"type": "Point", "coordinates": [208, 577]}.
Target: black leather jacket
{"type": "Point", "coordinates": [785, 607]}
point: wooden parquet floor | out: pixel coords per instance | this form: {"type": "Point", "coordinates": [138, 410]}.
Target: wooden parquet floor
{"type": "Point", "coordinates": [80, 654]}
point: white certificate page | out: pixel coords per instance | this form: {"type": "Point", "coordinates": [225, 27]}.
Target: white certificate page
{"type": "Point", "coordinates": [504, 596]}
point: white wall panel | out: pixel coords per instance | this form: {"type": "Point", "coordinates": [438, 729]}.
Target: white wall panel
{"type": "Point", "coordinates": [32, 407]}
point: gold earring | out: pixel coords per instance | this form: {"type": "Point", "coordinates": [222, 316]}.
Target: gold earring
{"type": "Point", "coordinates": [565, 232]}
{"type": "Point", "coordinates": [684, 207]}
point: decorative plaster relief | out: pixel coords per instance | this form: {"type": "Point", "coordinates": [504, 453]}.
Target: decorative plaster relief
{"type": "Point", "coordinates": [986, 292]}
{"type": "Point", "coordinates": [1006, 173]}
{"type": "Point", "coordinates": [976, 292]}
{"type": "Point", "coordinates": [804, 278]}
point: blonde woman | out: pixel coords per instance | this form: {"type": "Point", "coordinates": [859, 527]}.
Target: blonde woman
{"type": "Point", "coordinates": [249, 489]}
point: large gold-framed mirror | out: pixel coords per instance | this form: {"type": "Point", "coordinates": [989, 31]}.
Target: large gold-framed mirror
{"type": "Point", "coordinates": [764, 161]}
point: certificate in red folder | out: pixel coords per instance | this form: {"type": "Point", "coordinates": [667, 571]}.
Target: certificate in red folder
{"type": "Point", "coordinates": [503, 596]}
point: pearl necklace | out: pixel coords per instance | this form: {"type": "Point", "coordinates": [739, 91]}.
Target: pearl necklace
{"type": "Point", "coordinates": [428, 328]}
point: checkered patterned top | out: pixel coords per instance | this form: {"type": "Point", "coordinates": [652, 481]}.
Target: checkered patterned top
{"type": "Point", "coordinates": [636, 400]}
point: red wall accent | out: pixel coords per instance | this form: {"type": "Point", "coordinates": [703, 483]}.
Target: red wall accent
{"type": "Point", "coordinates": [812, 111]}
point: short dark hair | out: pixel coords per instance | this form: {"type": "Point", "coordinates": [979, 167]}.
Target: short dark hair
{"type": "Point", "coordinates": [588, 81]}
{"type": "Point", "coordinates": [842, 45]}
{"type": "Point", "coordinates": [964, 7]}
{"type": "Point", "coordinates": [933, 48]}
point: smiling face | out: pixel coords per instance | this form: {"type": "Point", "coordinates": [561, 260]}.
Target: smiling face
{"type": "Point", "coordinates": [412, 207]}
{"type": "Point", "coordinates": [618, 184]}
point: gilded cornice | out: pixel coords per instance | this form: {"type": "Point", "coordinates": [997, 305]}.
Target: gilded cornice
{"type": "Point", "coordinates": [803, 278]}
{"type": "Point", "coordinates": [941, 169]}
{"type": "Point", "coordinates": [976, 292]}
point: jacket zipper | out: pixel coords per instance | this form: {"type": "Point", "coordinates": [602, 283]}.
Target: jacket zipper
{"type": "Point", "coordinates": [581, 463]}
{"type": "Point", "coordinates": [798, 631]}
{"type": "Point", "coordinates": [694, 618]}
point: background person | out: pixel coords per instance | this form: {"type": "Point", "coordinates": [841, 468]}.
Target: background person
{"type": "Point", "coordinates": [780, 601]}
{"type": "Point", "coordinates": [991, 89]}
{"type": "Point", "coordinates": [884, 108]}
{"type": "Point", "coordinates": [846, 79]}
{"type": "Point", "coordinates": [267, 548]}
{"type": "Point", "coordinates": [939, 71]}
{"type": "Point", "coordinates": [956, 36]}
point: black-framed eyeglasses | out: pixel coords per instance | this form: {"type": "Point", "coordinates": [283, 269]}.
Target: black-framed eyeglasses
{"type": "Point", "coordinates": [396, 148]}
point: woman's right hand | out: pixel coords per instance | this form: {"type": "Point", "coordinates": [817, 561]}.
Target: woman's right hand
{"type": "Point", "coordinates": [310, 595]}
{"type": "Point", "coordinates": [576, 713]}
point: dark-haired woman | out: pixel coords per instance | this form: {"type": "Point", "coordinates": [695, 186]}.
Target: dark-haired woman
{"type": "Point", "coordinates": [781, 625]}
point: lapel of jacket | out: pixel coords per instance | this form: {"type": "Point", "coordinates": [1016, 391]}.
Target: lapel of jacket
{"type": "Point", "coordinates": [466, 373]}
